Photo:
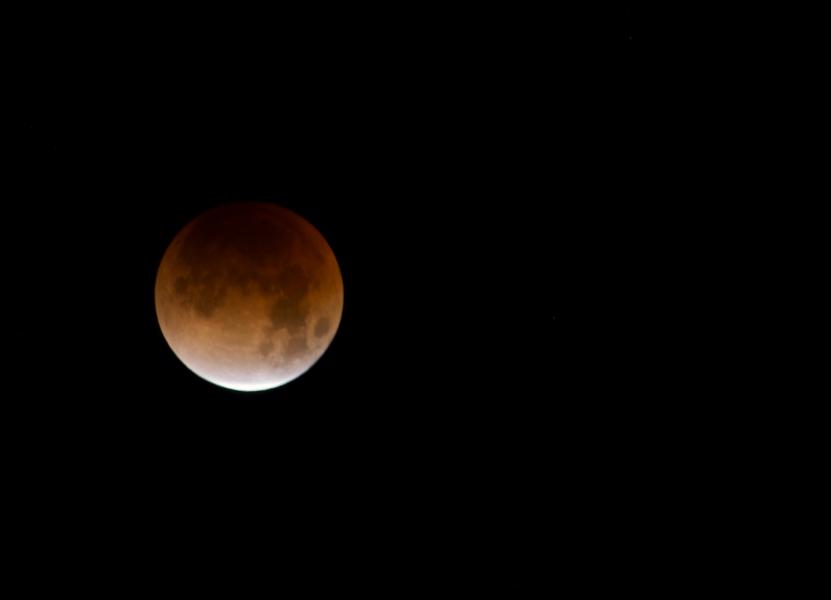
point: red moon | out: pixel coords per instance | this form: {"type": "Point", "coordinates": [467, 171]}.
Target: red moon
{"type": "Point", "coordinates": [249, 296]}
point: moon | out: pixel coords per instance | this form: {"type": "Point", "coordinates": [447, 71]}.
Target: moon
{"type": "Point", "coordinates": [249, 296]}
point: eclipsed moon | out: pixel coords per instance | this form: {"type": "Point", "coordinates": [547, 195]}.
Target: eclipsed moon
{"type": "Point", "coordinates": [249, 296]}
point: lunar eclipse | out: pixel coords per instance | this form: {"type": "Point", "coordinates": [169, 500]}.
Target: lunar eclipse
{"type": "Point", "coordinates": [249, 296]}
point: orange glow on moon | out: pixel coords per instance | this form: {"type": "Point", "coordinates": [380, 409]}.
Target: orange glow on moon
{"type": "Point", "coordinates": [249, 296]}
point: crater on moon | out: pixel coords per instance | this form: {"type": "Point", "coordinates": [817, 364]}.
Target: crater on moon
{"type": "Point", "coordinates": [249, 296]}
{"type": "Point", "coordinates": [322, 327]}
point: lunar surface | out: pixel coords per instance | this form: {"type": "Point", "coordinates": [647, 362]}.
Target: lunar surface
{"type": "Point", "coordinates": [249, 296]}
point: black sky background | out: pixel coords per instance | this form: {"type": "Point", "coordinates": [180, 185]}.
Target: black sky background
{"type": "Point", "coordinates": [478, 178]}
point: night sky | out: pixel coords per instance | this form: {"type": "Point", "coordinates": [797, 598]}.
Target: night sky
{"type": "Point", "coordinates": [474, 175]}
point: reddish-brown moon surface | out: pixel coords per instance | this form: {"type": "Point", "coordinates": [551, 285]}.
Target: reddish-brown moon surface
{"type": "Point", "coordinates": [249, 296]}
